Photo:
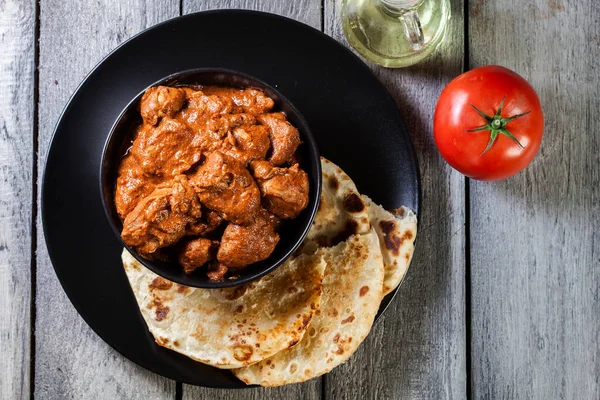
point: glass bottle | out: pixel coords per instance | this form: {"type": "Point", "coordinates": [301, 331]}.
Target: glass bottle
{"type": "Point", "coordinates": [395, 33]}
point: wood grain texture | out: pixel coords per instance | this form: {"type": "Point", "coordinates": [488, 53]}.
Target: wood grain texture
{"type": "Point", "coordinates": [309, 12]}
{"type": "Point", "coordinates": [17, 27]}
{"type": "Point", "coordinates": [417, 351]}
{"type": "Point", "coordinates": [71, 361]}
{"type": "Point", "coordinates": [534, 238]}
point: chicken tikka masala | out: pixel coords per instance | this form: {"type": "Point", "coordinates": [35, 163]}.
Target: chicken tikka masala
{"type": "Point", "coordinates": [209, 176]}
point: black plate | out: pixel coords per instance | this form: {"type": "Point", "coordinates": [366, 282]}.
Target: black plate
{"type": "Point", "coordinates": [355, 121]}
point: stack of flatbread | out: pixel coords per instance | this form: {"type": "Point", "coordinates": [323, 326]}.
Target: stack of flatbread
{"type": "Point", "coordinates": [306, 317]}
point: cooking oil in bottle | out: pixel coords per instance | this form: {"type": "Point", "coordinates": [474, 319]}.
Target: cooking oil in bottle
{"type": "Point", "coordinates": [395, 33]}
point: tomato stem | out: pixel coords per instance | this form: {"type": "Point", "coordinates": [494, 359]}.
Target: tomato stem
{"type": "Point", "coordinates": [496, 125]}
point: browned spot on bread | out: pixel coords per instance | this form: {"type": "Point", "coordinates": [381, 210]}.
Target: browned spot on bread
{"type": "Point", "coordinates": [386, 288]}
{"type": "Point", "coordinates": [272, 366]}
{"type": "Point", "coordinates": [407, 257]}
{"type": "Point", "coordinates": [162, 341]}
{"type": "Point", "coordinates": [242, 352]}
{"type": "Point", "coordinates": [293, 368]}
{"type": "Point", "coordinates": [408, 235]}
{"type": "Point", "coordinates": [160, 284]}
{"type": "Point", "coordinates": [324, 330]}
{"type": "Point", "coordinates": [293, 342]}
{"type": "Point", "coordinates": [318, 312]}
{"type": "Point", "coordinates": [239, 309]}
{"type": "Point", "coordinates": [161, 311]}
{"type": "Point", "coordinates": [305, 320]}
{"type": "Point", "coordinates": [336, 338]}
{"type": "Point", "coordinates": [333, 183]}
{"type": "Point", "coordinates": [269, 362]}
{"type": "Point", "coordinates": [350, 229]}
{"type": "Point", "coordinates": [198, 333]}
{"type": "Point", "coordinates": [353, 203]}
{"type": "Point", "coordinates": [348, 320]}
{"type": "Point", "coordinates": [340, 349]}
{"type": "Point", "coordinates": [176, 343]}
{"type": "Point", "coordinates": [363, 291]}
{"type": "Point", "coordinates": [334, 312]}
{"type": "Point", "coordinates": [182, 289]}
{"type": "Point", "coordinates": [235, 293]}
{"type": "Point", "coordinates": [399, 212]}
{"type": "Point", "coordinates": [292, 289]}
{"type": "Point", "coordinates": [391, 240]}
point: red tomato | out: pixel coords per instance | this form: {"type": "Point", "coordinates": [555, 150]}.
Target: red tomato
{"type": "Point", "coordinates": [488, 123]}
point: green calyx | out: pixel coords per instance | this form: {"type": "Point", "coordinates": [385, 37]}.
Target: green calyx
{"type": "Point", "coordinates": [496, 125]}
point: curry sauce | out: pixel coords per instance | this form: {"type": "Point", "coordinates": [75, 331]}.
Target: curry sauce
{"type": "Point", "coordinates": [210, 174]}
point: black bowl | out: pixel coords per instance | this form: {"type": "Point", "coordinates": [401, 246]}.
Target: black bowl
{"type": "Point", "coordinates": [292, 232]}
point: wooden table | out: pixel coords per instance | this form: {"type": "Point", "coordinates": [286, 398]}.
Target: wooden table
{"type": "Point", "coordinates": [503, 297]}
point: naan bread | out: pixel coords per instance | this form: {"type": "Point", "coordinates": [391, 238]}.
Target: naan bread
{"type": "Point", "coordinates": [352, 292]}
{"type": "Point", "coordinates": [396, 238]}
{"type": "Point", "coordinates": [342, 213]}
{"type": "Point", "coordinates": [234, 327]}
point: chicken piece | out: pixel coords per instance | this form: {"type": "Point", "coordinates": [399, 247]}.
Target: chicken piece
{"type": "Point", "coordinates": [160, 219]}
{"type": "Point", "coordinates": [242, 245]}
{"type": "Point", "coordinates": [210, 221]}
{"type": "Point", "coordinates": [252, 101]}
{"type": "Point", "coordinates": [196, 253]}
{"type": "Point", "coordinates": [166, 149]}
{"type": "Point", "coordinates": [237, 135]}
{"type": "Point", "coordinates": [284, 190]}
{"type": "Point", "coordinates": [247, 142]}
{"type": "Point", "coordinates": [132, 186]}
{"type": "Point", "coordinates": [216, 271]}
{"type": "Point", "coordinates": [210, 104]}
{"type": "Point", "coordinates": [159, 102]}
{"type": "Point", "coordinates": [285, 139]}
{"type": "Point", "coordinates": [224, 185]}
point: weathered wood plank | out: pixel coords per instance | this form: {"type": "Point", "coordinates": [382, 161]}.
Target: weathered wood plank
{"type": "Point", "coordinates": [309, 12]}
{"type": "Point", "coordinates": [534, 237]}
{"type": "Point", "coordinates": [71, 361]}
{"type": "Point", "coordinates": [17, 64]}
{"type": "Point", "coordinates": [418, 349]}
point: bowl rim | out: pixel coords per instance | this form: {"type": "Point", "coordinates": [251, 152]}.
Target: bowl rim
{"type": "Point", "coordinates": [306, 134]}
